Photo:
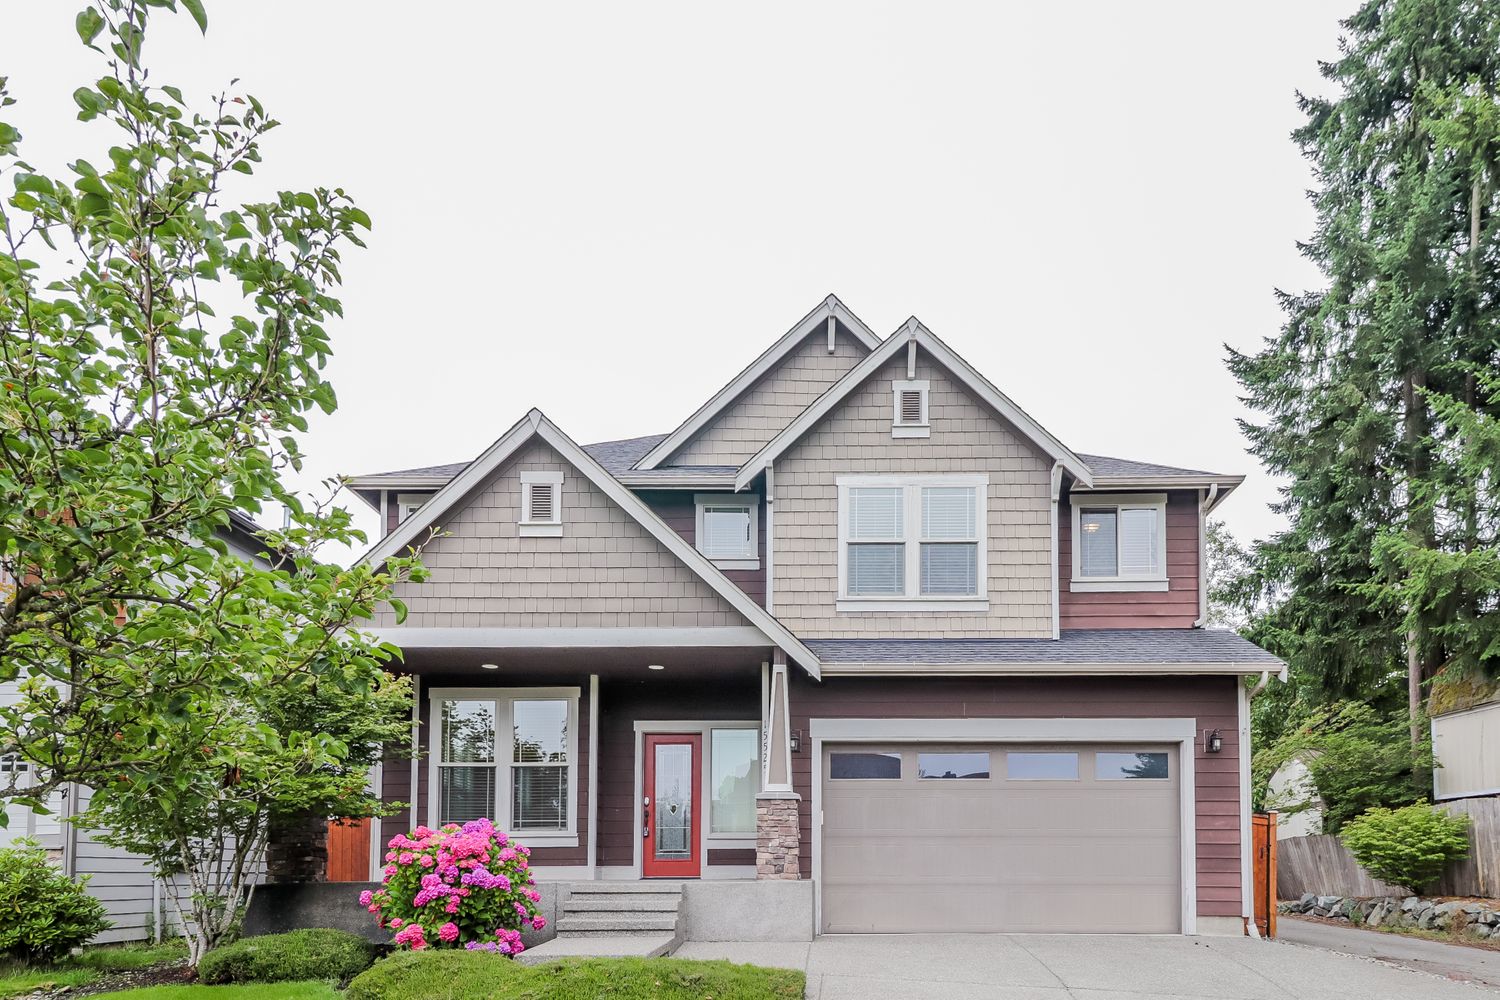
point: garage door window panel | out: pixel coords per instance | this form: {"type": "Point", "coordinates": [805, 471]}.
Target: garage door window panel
{"type": "Point", "coordinates": [859, 766]}
{"type": "Point", "coordinates": [1146, 765]}
{"type": "Point", "coordinates": [953, 765]}
{"type": "Point", "coordinates": [1024, 766]}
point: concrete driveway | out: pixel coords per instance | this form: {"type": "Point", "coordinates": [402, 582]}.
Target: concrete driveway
{"type": "Point", "coordinates": [1074, 967]}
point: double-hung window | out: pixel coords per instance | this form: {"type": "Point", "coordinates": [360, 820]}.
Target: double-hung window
{"type": "Point", "coordinates": [728, 529]}
{"type": "Point", "coordinates": [509, 755]}
{"type": "Point", "coordinates": [912, 540]}
{"type": "Point", "coordinates": [1119, 542]}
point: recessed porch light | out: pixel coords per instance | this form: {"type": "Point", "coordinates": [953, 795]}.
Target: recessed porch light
{"type": "Point", "coordinates": [655, 666]}
{"type": "Point", "coordinates": [489, 666]}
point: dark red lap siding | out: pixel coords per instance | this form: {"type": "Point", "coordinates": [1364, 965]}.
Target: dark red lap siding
{"type": "Point", "coordinates": [678, 509]}
{"type": "Point", "coordinates": [1212, 701]}
{"type": "Point", "coordinates": [1176, 607]}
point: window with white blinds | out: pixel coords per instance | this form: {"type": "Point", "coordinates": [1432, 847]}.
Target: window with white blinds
{"type": "Point", "coordinates": [1121, 539]}
{"type": "Point", "coordinates": [728, 529]}
{"type": "Point", "coordinates": [508, 755]}
{"type": "Point", "coordinates": [918, 538]}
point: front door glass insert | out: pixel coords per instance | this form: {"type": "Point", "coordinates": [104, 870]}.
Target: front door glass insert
{"type": "Point", "coordinates": [673, 814]}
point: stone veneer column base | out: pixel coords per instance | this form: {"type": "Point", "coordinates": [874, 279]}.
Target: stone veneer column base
{"type": "Point", "coordinates": [778, 838]}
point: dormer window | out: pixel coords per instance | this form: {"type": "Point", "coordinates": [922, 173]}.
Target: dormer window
{"type": "Point", "coordinates": [910, 414]}
{"type": "Point", "coordinates": [728, 529]}
{"type": "Point", "coordinates": [1119, 542]}
{"type": "Point", "coordinates": [408, 504]}
{"type": "Point", "coordinates": [541, 504]}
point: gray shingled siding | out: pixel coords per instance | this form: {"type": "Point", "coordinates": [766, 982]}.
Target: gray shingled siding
{"type": "Point", "coordinates": [771, 403]}
{"type": "Point", "coordinates": [606, 571]}
{"type": "Point", "coordinates": [966, 437]}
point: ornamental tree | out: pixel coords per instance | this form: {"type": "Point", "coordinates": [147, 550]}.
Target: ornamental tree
{"type": "Point", "coordinates": [458, 886]}
{"type": "Point", "coordinates": [160, 349]}
{"type": "Point", "coordinates": [161, 346]}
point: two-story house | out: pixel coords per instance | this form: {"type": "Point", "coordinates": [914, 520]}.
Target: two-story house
{"type": "Point", "coordinates": [858, 620]}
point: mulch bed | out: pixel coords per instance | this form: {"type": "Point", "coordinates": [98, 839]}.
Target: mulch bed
{"type": "Point", "coordinates": [164, 974]}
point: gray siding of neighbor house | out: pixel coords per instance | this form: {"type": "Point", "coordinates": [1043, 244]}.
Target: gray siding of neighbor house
{"type": "Point", "coordinates": [605, 571]}
{"type": "Point", "coordinates": [771, 403]}
{"type": "Point", "coordinates": [967, 437]}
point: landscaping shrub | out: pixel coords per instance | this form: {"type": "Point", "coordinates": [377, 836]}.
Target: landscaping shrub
{"type": "Point", "coordinates": [1409, 846]}
{"type": "Point", "coordinates": [45, 912]}
{"type": "Point", "coordinates": [458, 887]}
{"type": "Point", "coordinates": [317, 953]}
{"type": "Point", "coordinates": [468, 975]}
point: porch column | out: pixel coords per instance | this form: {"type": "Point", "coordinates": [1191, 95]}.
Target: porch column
{"type": "Point", "coordinates": [778, 838]}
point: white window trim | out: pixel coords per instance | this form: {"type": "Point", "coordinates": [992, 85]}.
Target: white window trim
{"type": "Point", "coordinates": [541, 529]}
{"type": "Point", "coordinates": [504, 699]}
{"type": "Point", "coordinates": [921, 428]}
{"type": "Point", "coordinates": [1080, 584]}
{"type": "Point", "coordinates": [411, 500]}
{"type": "Point", "coordinates": [706, 839]}
{"type": "Point", "coordinates": [750, 502]}
{"type": "Point", "coordinates": [913, 600]}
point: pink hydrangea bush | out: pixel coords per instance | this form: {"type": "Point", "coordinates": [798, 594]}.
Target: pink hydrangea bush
{"type": "Point", "coordinates": [457, 887]}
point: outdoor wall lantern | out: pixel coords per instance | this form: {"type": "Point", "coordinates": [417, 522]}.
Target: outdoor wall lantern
{"type": "Point", "coordinates": [1212, 741]}
{"type": "Point", "coordinates": [796, 741]}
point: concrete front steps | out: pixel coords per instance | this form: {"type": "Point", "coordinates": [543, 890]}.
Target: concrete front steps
{"type": "Point", "coordinates": [614, 919]}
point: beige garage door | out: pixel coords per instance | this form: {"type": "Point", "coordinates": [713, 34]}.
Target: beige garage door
{"type": "Point", "coordinates": [1067, 837]}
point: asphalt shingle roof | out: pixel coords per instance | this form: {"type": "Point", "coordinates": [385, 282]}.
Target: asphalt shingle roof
{"type": "Point", "coordinates": [1112, 645]}
{"type": "Point", "coordinates": [620, 457]}
{"type": "Point", "coordinates": [1103, 465]}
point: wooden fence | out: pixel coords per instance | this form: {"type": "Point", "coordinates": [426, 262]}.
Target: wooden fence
{"type": "Point", "coordinates": [1323, 865]}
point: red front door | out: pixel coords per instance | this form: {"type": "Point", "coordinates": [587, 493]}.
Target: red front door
{"type": "Point", "coordinates": [670, 809]}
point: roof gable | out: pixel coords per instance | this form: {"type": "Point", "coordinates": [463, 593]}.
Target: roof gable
{"type": "Point", "coordinates": [535, 426]}
{"type": "Point", "coordinates": [913, 337]}
{"type": "Point", "coordinates": [829, 316]}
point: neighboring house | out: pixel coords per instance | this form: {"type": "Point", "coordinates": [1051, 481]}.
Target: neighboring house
{"type": "Point", "coordinates": [1294, 796]}
{"type": "Point", "coordinates": [1466, 746]}
{"type": "Point", "coordinates": [134, 899]}
{"type": "Point", "coordinates": [858, 620]}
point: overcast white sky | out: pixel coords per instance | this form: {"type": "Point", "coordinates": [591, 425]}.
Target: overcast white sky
{"type": "Point", "coordinates": [608, 210]}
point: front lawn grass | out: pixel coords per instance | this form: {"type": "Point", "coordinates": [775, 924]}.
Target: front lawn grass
{"type": "Point", "coordinates": [246, 991]}
{"type": "Point", "coordinates": [477, 975]}
{"type": "Point", "coordinates": [81, 970]}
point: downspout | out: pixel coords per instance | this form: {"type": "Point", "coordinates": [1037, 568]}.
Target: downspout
{"type": "Point", "coordinates": [1205, 504]}
{"type": "Point", "coordinates": [1056, 595]}
{"type": "Point", "coordinates": [770, 533]}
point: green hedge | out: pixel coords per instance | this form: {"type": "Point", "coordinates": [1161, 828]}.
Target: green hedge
{"type": "Point", "coordinates": [479, 975]}
{"type": "Point", "coordinates": [45, 912]}
{"type": "Point", "coordinates": [317, 953]}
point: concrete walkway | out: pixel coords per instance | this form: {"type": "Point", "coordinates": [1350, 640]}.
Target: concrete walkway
{"type": "Point", "coordinates": [1453, 961]}
{"type": "Point", "coordinates": [1074, 967]}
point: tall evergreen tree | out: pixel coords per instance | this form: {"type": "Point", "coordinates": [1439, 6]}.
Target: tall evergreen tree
{"type": "Point", "coordinates": [1362, 391]}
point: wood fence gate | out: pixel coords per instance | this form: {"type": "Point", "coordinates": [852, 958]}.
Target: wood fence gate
{"type": "Point", "coordinates": [349, 850]}
{"type": "Point", "coordinates": [1263, 873]}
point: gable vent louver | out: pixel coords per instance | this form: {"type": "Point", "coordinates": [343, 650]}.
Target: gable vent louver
{"type": "Point", "coordinates": [911, 406]}
{"type": "Point", "coordinates": [543, 503]}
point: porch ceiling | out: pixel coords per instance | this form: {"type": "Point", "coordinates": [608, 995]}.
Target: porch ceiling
{"type": "Point", "coordinates": [680, 662]}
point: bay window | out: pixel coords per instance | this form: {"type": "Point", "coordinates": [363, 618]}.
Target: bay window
{"type": "Point", "coordinates": [1119, 542]}
{"type": "Point", "coordinates": [508, 754]}
{"type": "Point", "coordinates": [916, 540]}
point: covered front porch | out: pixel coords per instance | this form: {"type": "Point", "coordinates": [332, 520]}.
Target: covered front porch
{"type": "Point", "coordinates": [612, 763]}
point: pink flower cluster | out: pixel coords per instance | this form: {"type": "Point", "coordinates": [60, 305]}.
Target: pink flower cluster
{"type": "Point", "coordinates": [458, 886]}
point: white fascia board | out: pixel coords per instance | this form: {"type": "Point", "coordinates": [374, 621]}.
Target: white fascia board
{"type": "Point", "coordinates": [535, 424]}
{"type": "Point", "coordinates": [720, 482]}
{"type": "Point", "coordinates": [570, 638]}
{"type": "Point", "coordinates": [806, 326]}
{"type": "Point", "coordinates": [949, 359]}
{"type": "Point", "coordinates": [1224, 483]}
{"type": "Point", "coordinates": [914, 669]}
